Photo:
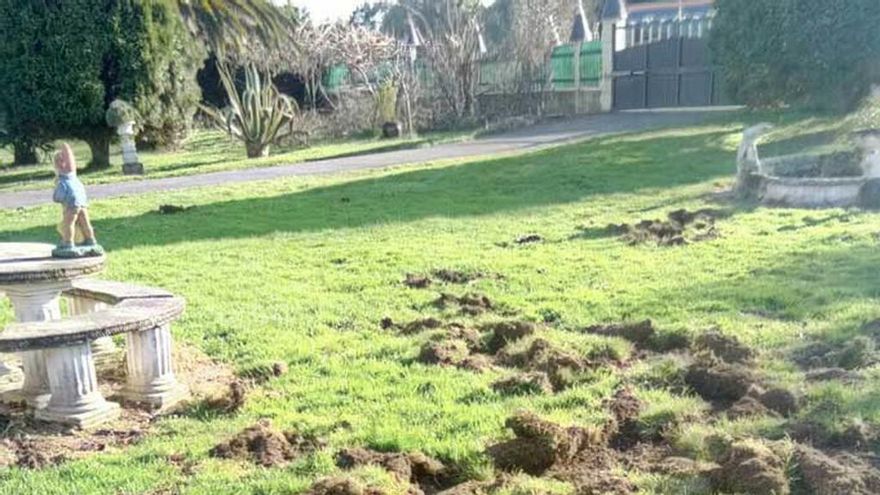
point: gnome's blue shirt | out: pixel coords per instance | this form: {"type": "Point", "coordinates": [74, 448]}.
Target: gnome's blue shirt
{"type": "Point", "coordinates": [70, 192]}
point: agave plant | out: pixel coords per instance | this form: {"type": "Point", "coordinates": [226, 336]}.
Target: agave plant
{"type": "Point", "coordinates": [259, 115]}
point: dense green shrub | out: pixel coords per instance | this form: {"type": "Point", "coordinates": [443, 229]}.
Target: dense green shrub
{"type": "Point", "coordinates": [820, 53]}
{"type": "Point", "coordinates": [62, 63]}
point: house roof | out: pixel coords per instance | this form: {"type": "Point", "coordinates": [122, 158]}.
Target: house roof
{"type": "Point", "coordinates": [619, 9]}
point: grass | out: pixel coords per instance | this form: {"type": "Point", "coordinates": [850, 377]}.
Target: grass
{"type": "Point", "coordinates": [204, 152]}
{"type": "Point", "coordinates": [302, 270]}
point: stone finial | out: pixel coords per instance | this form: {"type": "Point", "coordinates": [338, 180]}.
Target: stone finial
{"type": "Point", "coordinates": [868, 142]}
{"type": "Point", "coordinates": [747, 161]}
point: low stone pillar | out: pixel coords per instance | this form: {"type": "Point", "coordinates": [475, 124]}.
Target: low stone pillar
{"type": "Point", "coordinates": [75, 399]}
{"type": "Point", "coordinates": [36, 302]}
{"type": "Point", "coordinates": [151, 379]}
{"type": "Point", "coordinates": [104, 350]}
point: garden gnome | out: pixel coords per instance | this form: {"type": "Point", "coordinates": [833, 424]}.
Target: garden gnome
{"type": "Point", "coordinates": [71, 194]}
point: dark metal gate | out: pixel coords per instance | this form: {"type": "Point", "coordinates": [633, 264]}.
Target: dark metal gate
{"type": "Point", "coordinates": [675, 72]}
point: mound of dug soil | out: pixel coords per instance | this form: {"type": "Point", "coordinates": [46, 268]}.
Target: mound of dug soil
{"type": "Point", "coordinates": [540, 444]}
{"type": "Point", "coordinates": [414, 281]}
{"type": "Point", "coordinates": [842, 474]}
{"type": "Point", "coordinates": [625, 407]}
{"type": "Point", "coordinates": [505, 332]}
{"type": "Point", "coordinates": [449, 352]}
{"type": "Point", "coordinates": [341, 485]}
{"type": "Point", "coordinates": [418, 326]}
{"type": "Point", "coordinates": [760, 402]}
{"type": "Point", "coordinates": [265, 446]}
{"type": "Point", "coordinates": [414, 467]}
{"type": "Point", "coordinates": [720, 381]}
{"type": "Point", "coordinates": [723, 347]}
{"type": "Point", "coordinates": [560, 366]}
{"type": "Point", "coordinates": [640, 334]}
{"type": "Point", "coordinates": [469, 304]}
{"type": "Point", "coordinates": [456, 277]}
{"type": "Point", "coordinates": [751, 467]}
{"type": "Point", "coordinates": [852, 434]}
{"type": "Point", "coordinates": [533, 383]}
{"type": "Point", "coordinates": [680, 228]}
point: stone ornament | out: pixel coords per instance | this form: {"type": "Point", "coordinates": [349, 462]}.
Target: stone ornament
{"type": "Point", "coordinates": [75, 225]}
{"type": "Point", "coordinates": [748, 164]}
{"type": "Point", "coordinates": [121, 116]}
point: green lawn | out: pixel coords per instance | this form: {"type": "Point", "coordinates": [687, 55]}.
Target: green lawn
{"type": "Point", "coordinates": [203, 152]}
{"type": "Point", "coordinates": [303, 270]}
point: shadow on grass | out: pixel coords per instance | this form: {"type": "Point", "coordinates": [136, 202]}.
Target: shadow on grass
{"type": "Point", "coordinates": [800, 287]}
{"type": "Point", "coordinates": [551, 177]}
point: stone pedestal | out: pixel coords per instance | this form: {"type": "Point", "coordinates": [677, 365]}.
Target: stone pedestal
{"type": "Point", "coordinates": [36, 302]}
{"type": "Point", "coordinates": [151, 379]}
{"type": "Point", "coordinates": [131, 165]}
{"type": "Point", "coordinates": [104, 350]}
{"type": "Point", "coordinates": [75, 398]}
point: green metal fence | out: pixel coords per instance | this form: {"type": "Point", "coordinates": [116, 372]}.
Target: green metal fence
{"type": "Point", "coordinates": [569, 67]}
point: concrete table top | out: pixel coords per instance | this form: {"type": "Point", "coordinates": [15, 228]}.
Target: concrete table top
{"type": "Point", "coordinates": [26, 263]}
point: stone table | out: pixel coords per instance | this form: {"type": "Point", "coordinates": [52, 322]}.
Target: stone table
{"type": "Point", "coordinates": [33, 281]}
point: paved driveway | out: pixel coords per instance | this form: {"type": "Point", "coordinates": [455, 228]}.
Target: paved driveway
{"type": "Point", "coordinates": [520, 140]}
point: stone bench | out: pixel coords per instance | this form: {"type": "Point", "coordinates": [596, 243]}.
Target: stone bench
{"type": "Point", "coordinates": [101, 310]}
{"type": "Point", "coordinates": [90, 295]}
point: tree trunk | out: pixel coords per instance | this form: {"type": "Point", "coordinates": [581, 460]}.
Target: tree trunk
{"type": "Point", "coordinates": [99, 144]}
{"type": "Point", "coordinates": [25, 154]}
{"type": "Point", "coordinates": [257, 150]}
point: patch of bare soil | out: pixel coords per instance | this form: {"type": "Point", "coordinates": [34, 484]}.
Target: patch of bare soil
{"type": "Point", "coordinates": [468, 304]}
{"type": "Point", "coordinates": [33, 444]}
{"type": "Point", "coordinates": [751, 467]}
{"type": "Point", "coordinates": [625, 408]}
{"type": "Point", "coordinates": [842, 473]}
{"type": "Point", "coordinates": [426, 473]}
{"type": "Point", "coordinates": [680, 228]}
{"type": "Point", "coordinates": [725, 348]}
{"type": "Point", "coordinates": [560, 366]}
{"type": "Point", "coordinates": [448, 352]}
{"type": "Point", "coordinates": [265, 446]}
{"type": "Point", "coordinates": [532, 383]}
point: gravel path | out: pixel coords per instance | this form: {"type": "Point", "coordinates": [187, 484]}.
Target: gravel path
{"type": "Point", "coordinates": [521, 140]}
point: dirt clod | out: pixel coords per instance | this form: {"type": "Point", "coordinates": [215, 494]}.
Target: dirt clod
{"type": "Point", "coordinates": [30, 456]}
{"type": "Point", "coordinates": [625, 408]}
{"type": "Point", "coordinates": [560, 366]}
{"type": "Point", "coordinates": [449, 352]}
{"type": "Point", "coordinates": [455, 277]}
{"type": "Point", "coordinates": [719, 381]}
{"type": "Point", "coordinates": [529, 239]}
{"type": "Point", "coordinates": [469, 304]}
{"type": "Point", "coordinates": [640, 333]}
{"type": "Point", "coordinates": [505, 332]}
{"type": "Point", "coordinates": [748, 407]}
{"type": "Point", "coordinates": [843, 474]}
{"type": "Point", "coordinates": [833, 374]}
{"type": "Point", "coordinates": [751, 467]}
{"type": "Point", "coordinates": [414, 281]}
{"type": "Point", "coordinates": [265, 446]}
{"type": "Point", "coordinates": [680, 228]}
{"type": "Point", "coordinates": [337, 485]}
{"type": "Point", "coordinates": [524, 384]}
{"type": "Point", "coordinates": [173, 209]}
{"type": "Point", "coordinates": [418, 326]}
{"type": "Point", "coordinates": [413, 467]}
{"type": "Point", "coordinates": [539, 444]}
{"type": "Point", "coordinates": [723, 347]}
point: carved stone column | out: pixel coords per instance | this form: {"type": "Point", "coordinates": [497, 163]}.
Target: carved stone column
{"type": "Point", "coordinates": [75, 398]}
{"type": "Point", "coordinates": [36, 302]}
{"type": "Point", "coordinates": [104, 350]}
{"type": "Point", "coordinates": [151, 379]}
